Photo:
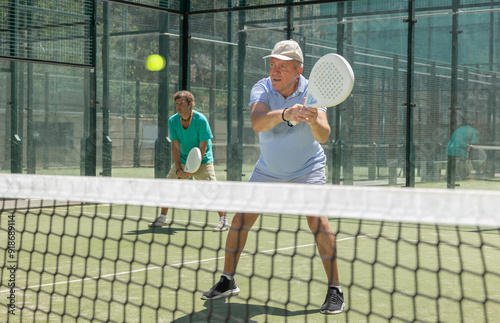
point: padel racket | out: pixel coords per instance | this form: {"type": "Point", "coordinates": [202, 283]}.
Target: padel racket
{"type": "Point", "coordinates": [193, 160]}
{"type": "Point", "coordinates": [330, 83]}
{"type": "Point", "coordinates": [477, 155]}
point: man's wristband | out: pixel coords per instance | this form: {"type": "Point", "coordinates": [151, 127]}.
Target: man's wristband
{"type": "Point", "coordinates": [283, 117]}
{"type": "Point", "coordinates": [283, 114]}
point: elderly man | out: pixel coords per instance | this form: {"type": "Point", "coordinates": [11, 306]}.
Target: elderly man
{"type": "Point", "coordinates": [289, 154]}
{"type": "Point", "coordinates": [189, 128]}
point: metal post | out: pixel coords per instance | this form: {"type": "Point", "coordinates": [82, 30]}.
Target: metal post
{"type": "Point", "coordinates": [106, 140]}
{"type": "Point", "coordinates": [31, 139]}
{"type": "Point", "coordinates": [163, 146]}
{"type": "Point", "coordinates": [451, 167]}
{"type": "Point", "coordinates": [371, 113]}
{"type": "Point", "coordinates": [185, 48]}
{"type": "Point", "coordinates": [494, 85]}
{"type": "Point", "coordinates": [347, 149]}
{"type": "Point", "coordinates": [15, 137]}
{"type": "Point", "coordinates": [336, 143]}
{"type": "Point", "coordinates": [230, 83]}
{"type": "Point", "coordinates": [91, 139]}
{"type": "Point", "coordinates": [212, 89]}
{"type": "Point", "coordinates": [289, 21]}
{"type": "Point", "coordinates": [432, 168]}
{"type": "Point", "coordinates": [137, 155]}
{"type": "Point", "coordinates": [410, 149]}
{"type": "Point", "coordinates": [392, 123]}
{"type": "Point", "coordinates": [20, 112]}
{"type": "Point", "coordinates": [235, 151]}
{"type": "Point", "coordinates": [213, 80]}
{"type": "Point", "coordinates": [6, 138]}
{"type": "Point", "coordinates": [45, 152]}
{"type": "Point", "coordinates": [492, 107]}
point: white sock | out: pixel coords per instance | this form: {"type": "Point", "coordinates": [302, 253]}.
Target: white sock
{"type": "Point", "coordinates": [163, 215]}
{"type": "Point", "coordinates": [228, 276]}
{"type": "Point", "coordinates": [223, 219]}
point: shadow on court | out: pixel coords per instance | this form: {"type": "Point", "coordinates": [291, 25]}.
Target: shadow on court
{"type": "Point", "coordinates": [492, 230]}
{"type": "Point", "coordinates": [165, 230]}
{"type": "Point", "coordinates": [227, 311]}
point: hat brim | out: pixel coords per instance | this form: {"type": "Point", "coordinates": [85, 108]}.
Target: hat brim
{"type": "Point", "coordinates": [282, 57]}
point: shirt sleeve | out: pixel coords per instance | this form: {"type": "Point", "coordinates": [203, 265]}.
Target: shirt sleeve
{"type": "Point", "coordinates": [259, 93]}
{"type": "Point", "coordinates": [171, 129]}
{"type": "Point", "coordinates": [204, 131]}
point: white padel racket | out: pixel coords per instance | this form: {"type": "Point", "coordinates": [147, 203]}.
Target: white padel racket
{"type": "Point", "coordinates": [193, 160]}
{"type": "Point", "coordinates": [330, 83]}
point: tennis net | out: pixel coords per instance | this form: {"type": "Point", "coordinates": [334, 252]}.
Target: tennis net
{"type": "Point", "coordinates": [80, 249]}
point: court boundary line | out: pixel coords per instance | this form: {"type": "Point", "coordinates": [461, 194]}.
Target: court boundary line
{"type": "Point", "coordinates": [158, 267]}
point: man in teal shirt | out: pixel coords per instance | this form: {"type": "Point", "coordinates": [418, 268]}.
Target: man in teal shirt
{"type": "Point", "coordinates": [460, 141]}
{"type": "Point", "coordinates": [459, 148]}
{"type": "Point", "coordinates": [188, 129]}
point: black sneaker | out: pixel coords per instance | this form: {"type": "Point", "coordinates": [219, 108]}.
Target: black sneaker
{"type": "Point", "coordinates": [224, 288]}
{"type": "Point", "coordinates": [334, 302]}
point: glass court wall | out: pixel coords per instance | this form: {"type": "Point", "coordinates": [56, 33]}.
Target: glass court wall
{"type": "Point", "coordinates": [423, 70]}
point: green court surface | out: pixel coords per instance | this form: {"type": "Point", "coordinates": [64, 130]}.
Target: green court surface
{"type": "Point", "coordinates": [102, 263]}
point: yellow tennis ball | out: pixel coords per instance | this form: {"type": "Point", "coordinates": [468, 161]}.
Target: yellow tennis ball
{"type": "Point", "coordinates": [155, 62]}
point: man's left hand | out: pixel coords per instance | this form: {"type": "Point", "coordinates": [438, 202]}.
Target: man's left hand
{"type": "Point", "coordinates": [183, 175]}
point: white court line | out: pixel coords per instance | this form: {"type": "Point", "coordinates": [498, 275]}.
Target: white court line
{"type": "Point", "coordinates": [156, 267]}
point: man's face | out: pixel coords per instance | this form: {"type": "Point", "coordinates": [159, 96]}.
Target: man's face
{"type": "Point", "coordinates": [283, 75]}
{"type": "Point", "coordinates": [182, 106]}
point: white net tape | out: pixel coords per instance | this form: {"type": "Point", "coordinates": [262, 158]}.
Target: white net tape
{"type": "Point", "coordinates": [455, 207]}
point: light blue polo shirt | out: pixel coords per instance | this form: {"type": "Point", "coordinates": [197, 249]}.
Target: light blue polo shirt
{"type": "Point", "coordinates": [287, 153]}
{"type": "Point", "coordinates": [198, 131]}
